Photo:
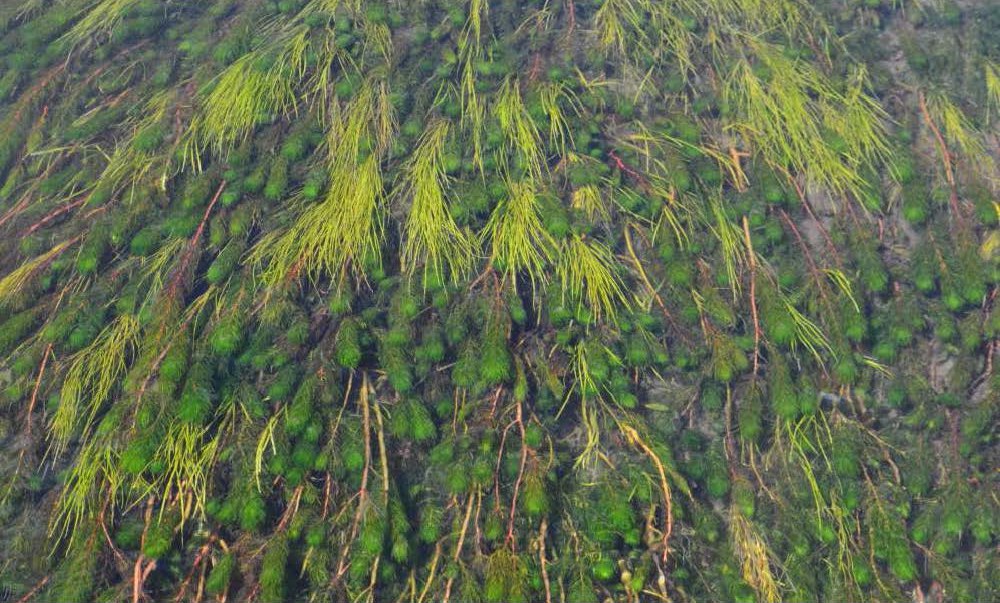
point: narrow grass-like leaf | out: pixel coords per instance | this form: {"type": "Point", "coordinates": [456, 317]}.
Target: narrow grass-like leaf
{"type": "Point", "coordinates": [586, 273]}
{"type": "Point", "coordinates": [93, 374]}
{"type": "Point", "coordinates": [432, 239]}
{"type": "Point", "coordinates": [518, 240]}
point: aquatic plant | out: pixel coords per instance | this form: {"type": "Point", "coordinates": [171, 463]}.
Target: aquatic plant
{"type": "Point", "coordinates": [462, 300]}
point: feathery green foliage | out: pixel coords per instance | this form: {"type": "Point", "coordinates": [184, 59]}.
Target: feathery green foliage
{"type": "Point", "coordinates": [960, 133]}
{"type": "Point", "coordinates": [100, 19]}
{"type": "Point", "coordinates": [790, 111]}
{"type": "Point", "coordinates": [257, 85]}
{"type": "Point", "coordinates": [991, 75]}
{"type": "Point", "coordinates": [498, 301]}
{"type": "Point", "coordinates": [431, 239]}
{"type": "Point", "coordinates": [346, 227]}
{"type": "Point", "coordinates": [93, 374]}
{"type": "Point", "coordinates": [518, 240]}
{"type": "Point", "coordinates": [13, 285]}
{"type": "Point", "coordinates": [586, 273]}
{"type": "Point", "coordinates": [522, 139]}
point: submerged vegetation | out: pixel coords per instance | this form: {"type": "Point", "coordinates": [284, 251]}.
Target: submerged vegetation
{"type": "Point", "coordinates": [482, 300]}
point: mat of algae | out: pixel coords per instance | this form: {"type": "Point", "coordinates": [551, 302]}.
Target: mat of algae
{"type": "Point", "coordinates": [489, 300]}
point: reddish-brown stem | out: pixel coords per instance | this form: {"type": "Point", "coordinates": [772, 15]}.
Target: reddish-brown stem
{"type": "Point", "coordinates": [293, 506]}
{"type": "Point", "coordinates": [496, 473]}
{"type": "Point", "coordinates": [616, 162]}
{"type": "Point", "coordinates": [542, 562]}
{"type": "Point", "coordinates": [18, 207]}
{"type": "Point", "coordinates": [198, 558]}
{"type": "Point", "coordinates": [536, 68]}
{"type": "Point", "coordinates": [53, 215]}
{"type": "Point", "coordinates": [29, 96]}
{"type": "Point", "coordinates": [635, 439]}
{"type": "Point", "coordinates": [739, 176]}
{"type": "Point", "coordinates": [812, 216]}
{"type": "Point", "coordinates": [193, 243]}
{"type": "Point", "coordinates": [38, 384]}
{"type": "Point", "coordinates": [802, 244]}
{"type": "Point", "coordinates": [34, 590]}
{"type": "Point", "coordinates": [363, 490]}
{"type": "Point", "coordinates": [107, 535]}
{"type": "Point", "coordinates": [520, 477]}
{"type": "Point", "coordinates": [326, 496]}
{"type": "Point", "coordinates": [753, 296]}
{"type": "Point", "coordinates": [200, 592]}
{"type": "Point", "coordinates": [946, 159]}
{"type": "Point", "coordinates": [459, 545]}
{"type": "Point", "coordinates": [139, 574]}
